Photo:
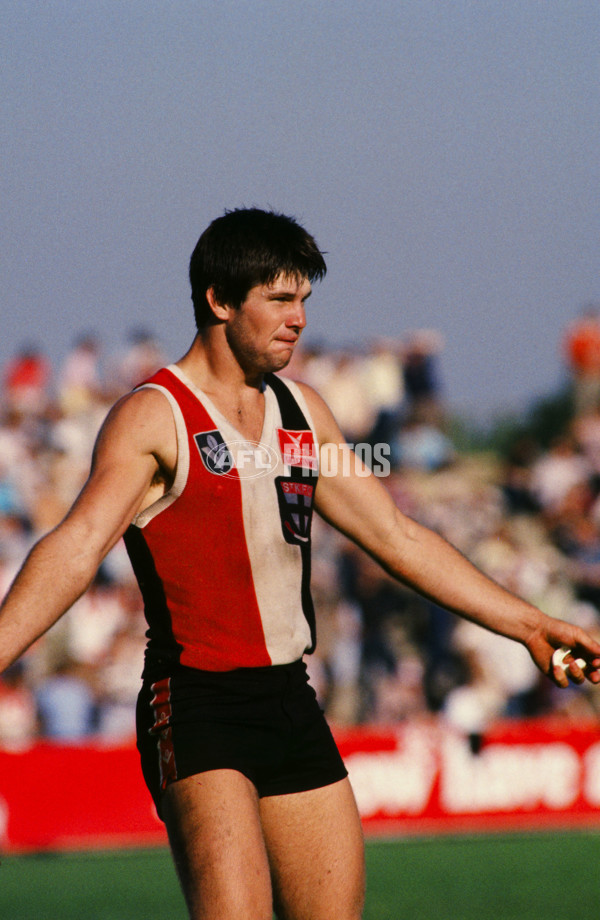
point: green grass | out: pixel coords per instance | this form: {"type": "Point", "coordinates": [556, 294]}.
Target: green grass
{"type": "Point", "coordinates": [529, 877]}
{"type": "Point", "coordinates": [520, 877]}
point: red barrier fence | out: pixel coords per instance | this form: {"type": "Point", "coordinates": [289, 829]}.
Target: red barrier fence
{"type": "Point", "coordinates": [426, 779]}
{"type": "Point", "coordinates": [414, 778]}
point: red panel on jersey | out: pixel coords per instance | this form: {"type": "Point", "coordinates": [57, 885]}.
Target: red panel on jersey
{"type": "Point", "coordinates": [198, 545]}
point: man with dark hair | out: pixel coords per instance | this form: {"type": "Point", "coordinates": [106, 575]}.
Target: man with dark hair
{"type": "Point", "coordinates": [247, 247]}
{"type": "Point", "coordinates": [210, 470]}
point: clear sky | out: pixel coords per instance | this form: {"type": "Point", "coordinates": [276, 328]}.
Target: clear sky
{"type": "Point", "coordinates": [445, 155]}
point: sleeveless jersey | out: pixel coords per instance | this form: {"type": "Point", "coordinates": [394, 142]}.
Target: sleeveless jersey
{"type": "Point", "coordinates": [223, 558]}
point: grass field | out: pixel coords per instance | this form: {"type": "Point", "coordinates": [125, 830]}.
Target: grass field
{"type": "Point", "coordinates": [520, 877]}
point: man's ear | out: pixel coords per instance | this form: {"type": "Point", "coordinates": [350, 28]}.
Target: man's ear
{"type": "Point", "coordinates": [220, 311]}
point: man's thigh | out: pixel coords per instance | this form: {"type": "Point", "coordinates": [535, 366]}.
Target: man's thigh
{"type": "Point", "coordinates": [315, 846]}
{"type": "Point", "coordinates": [216, 839]}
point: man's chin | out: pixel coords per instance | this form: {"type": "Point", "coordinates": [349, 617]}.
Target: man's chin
{"type": "Point", "coordinates": [278, 365]}
{"type": "Point", "coordinates": [280, 360]}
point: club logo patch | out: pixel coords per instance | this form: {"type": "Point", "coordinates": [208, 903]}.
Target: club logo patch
{"type": "Point", "coordinates": [298, 448]}
{"type": "Point", "coordinates": [214, 452]}
{"type": "Point", "coordinates": [295, 508]}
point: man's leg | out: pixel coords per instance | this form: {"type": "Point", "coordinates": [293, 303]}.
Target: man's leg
{"type": "Point", "coordinates": [315, 846]}
{"type": "Point", "coordinates": [216, 838]}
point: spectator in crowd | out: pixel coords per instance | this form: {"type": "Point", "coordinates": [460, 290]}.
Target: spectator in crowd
{"type": "Point", "coordinates": [556, 472]}
{"type": "Point", "coordinates": [142, 357]}
{"type": "Point", "coordinates": [346, 394]}
{"type": "Point", "coordinates": [517, 486]}
{"type": "Point", "coordinates": [66, 702]}
{"type": "Point", "coordinates": [421, 445]}
{"type": "Point", "coordinates": [93, 622]}
{"type": "Point", "coordinates": [586, 432]}
{"type": "Point", "coordinates": [18, 710]}
{"type": "Point", "coordinates": [79, 380]}
{"type": "Point", "coordinates": [421, 372]}
{"type": "Point", "coordinates": [581, 348]}
{"type": "Point", "coordinates": [384, 383]}
{"type": "Point", "coordinates": [26, 380]}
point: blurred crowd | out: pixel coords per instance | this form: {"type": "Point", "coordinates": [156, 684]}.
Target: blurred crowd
{"type": "Point", "coordinates": [530, 518]}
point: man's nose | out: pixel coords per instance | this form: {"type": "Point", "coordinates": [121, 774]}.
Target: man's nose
{"type": "Point", "coordinates": [297, 316]}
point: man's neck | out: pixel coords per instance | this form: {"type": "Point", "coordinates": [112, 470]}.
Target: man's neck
{"type": "Point", "coordinates": [239, 397]}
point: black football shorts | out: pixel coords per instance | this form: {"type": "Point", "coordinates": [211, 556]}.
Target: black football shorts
{"type": "Point", "coordinates": [264, 722]}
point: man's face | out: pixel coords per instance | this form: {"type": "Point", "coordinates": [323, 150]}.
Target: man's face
{"type": "Point", "coordinates": [264, 331]}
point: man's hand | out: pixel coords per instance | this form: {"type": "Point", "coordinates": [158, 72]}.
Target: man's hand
{"type": "Point", "coordinates": [554, 634]}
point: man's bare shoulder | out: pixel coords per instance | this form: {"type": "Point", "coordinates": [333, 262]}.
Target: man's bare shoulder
{"type": "Point", "coordinates": [325, 423]}
{"type": "Point", "coordinates": [142, 419]}
{"type": "Point", "coordinates": [143, 400]}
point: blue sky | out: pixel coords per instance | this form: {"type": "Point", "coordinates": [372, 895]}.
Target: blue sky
{"type": "Point", "coordinates": [444, 154]}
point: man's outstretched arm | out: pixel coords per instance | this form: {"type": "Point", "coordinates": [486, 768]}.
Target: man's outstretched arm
{"type": "Point", "coordinates": [360, 507]}
{"type": "Point", "coordinates": [63, 563]}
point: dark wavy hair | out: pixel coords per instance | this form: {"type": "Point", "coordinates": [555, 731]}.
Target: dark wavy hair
{"type": "Point", "coordinates": [246, 247]}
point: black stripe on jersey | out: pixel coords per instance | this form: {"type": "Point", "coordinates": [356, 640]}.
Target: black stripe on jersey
{"type": "Point", "coordinates": [162, 647]}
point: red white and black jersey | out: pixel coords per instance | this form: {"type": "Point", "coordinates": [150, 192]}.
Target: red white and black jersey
{"type": "Point", "coordinates": [223, 558]}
